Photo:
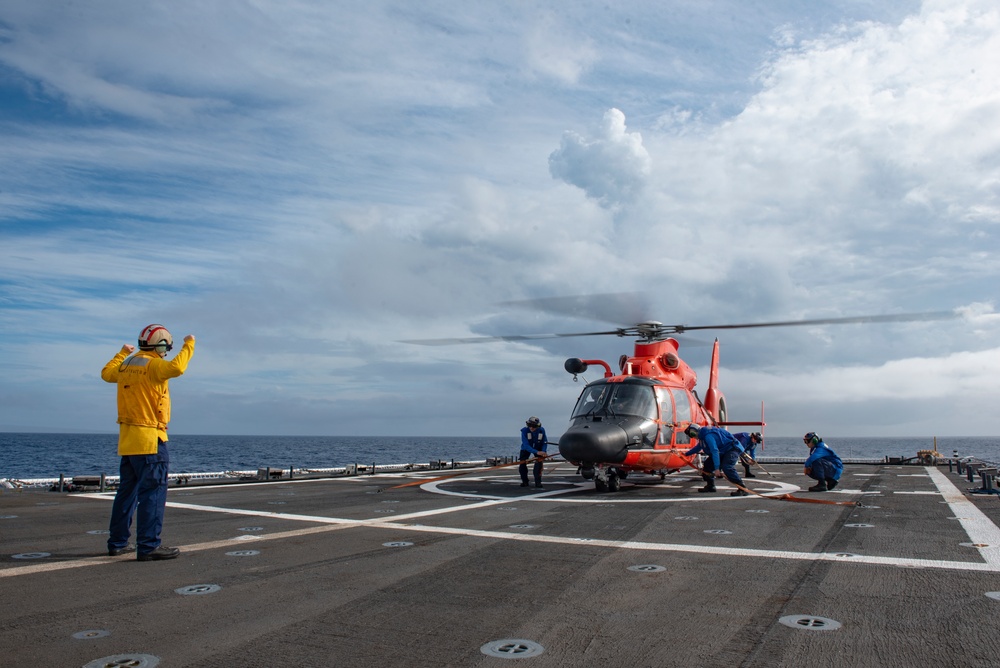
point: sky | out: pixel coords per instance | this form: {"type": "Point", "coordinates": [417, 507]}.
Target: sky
{"type": "Point", "coordinates": [303, 185]}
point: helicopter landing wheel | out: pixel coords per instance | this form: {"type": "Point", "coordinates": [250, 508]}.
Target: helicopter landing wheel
{"type": "Point", "coordinates": [600, 485]}
{"type": "Point", "coordinates": [614, 483]}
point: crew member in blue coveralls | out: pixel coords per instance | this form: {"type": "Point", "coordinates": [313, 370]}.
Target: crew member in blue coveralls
{"type": "Point", "coordinates": [533, 446]}
{"type": "Point", "coordinates": [722, 452]}
{"type": "Point", "coordinates": [823, 464]}
{"type": "Point", "coordinates": [143, 414]}
{"type": "Point", "coordinates": [749, 443]}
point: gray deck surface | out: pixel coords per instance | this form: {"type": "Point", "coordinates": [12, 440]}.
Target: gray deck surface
{"type": "Point", "coordinates": [332, 572]}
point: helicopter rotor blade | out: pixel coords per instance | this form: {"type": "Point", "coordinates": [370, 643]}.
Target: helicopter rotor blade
{"type": "Point", "coordinates": [651, 330]}
{"type": "Point", "coordinates": [863, 319]}
{"type": "Point", "coordinates": [513, 337]}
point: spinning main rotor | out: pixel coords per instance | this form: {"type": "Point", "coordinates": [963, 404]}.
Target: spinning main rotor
{"type": "Point", "coordinates": [611, 307]}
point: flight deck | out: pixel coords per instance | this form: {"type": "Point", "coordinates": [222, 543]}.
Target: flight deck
{"type": "Point", "coordinates": [900, 565]}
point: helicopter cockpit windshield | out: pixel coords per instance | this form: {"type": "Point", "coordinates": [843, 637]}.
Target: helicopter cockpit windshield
{"type": "Point", "coordinates": [617, 399]}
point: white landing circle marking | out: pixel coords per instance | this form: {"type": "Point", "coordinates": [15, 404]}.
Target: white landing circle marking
{"type": "Point", "coordinates": [995, 595]}
{"type": "Point", "coordinates": [557, 494]}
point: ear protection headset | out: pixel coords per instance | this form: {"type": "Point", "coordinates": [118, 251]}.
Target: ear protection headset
{"type": "Point", "coordinates": [812, 438]}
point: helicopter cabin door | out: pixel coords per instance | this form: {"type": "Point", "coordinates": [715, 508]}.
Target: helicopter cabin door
{"type": "Point", "coordinates": [682, 415]}
{"type": "Point", "coordinates": [666, 402]}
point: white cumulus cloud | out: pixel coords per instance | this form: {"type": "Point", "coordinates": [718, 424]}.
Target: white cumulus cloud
{"type": "Point", "coordinates": [611, 168]}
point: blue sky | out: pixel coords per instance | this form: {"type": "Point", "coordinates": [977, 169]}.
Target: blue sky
{"type": "Point", "coordinates": [303, 184]}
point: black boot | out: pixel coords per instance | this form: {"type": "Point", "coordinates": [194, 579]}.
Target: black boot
{"type": "Point", "coordinates": [748, 474]}
{"type": "Point", "coordinates": [819, 487]}
{"type": "Point", "coordinates": [739, 492]}
{"type": "Point", "coordinates": [709, 487]}
{"type": "Point", "coordinates": [830, 483]}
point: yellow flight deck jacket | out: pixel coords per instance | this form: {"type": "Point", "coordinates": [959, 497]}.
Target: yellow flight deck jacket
{"type": "Point", "coordinates": [143, 396]}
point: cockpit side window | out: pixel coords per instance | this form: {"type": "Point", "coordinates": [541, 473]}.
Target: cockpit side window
{"type": "Point", "coordinates": [591, 399]}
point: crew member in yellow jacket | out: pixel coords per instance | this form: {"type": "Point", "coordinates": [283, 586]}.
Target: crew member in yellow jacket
{"type": "Point", "coordinates": [143, 414]}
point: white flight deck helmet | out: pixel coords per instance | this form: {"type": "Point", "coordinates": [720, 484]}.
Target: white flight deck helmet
{"type": "Point", "coordinates": [157, 339]}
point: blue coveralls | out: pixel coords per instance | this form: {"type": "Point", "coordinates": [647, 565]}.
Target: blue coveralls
{"type": "Point", "coordinates": [823, 463]}
{"type": "Point", "coordinates": [532, 443]}
{"type": "Point", "coordinates": [142, 489]}
{"type": "Point", "coordinates": [749, 447]}
{"type": "Point", "coordinates": [723, 451]}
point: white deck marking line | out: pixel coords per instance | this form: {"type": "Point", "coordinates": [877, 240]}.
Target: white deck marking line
{"type": "Point", "coordinates": [337, 522]}
{"type": "Point", "coordinates": [902, 562]}
{"type": "Point", "coordinates": [196, 547]}
{"type": "Point", "coordinates": [977, 525]}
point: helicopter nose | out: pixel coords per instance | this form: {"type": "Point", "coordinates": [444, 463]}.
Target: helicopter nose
{"type": "Point", "coordinates": [594, 442]}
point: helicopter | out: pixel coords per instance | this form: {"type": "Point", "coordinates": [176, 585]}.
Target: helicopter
{"type": "Point", "coordinates": [633, 420]}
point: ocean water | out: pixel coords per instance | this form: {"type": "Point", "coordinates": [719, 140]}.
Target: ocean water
{"type": "Point", "coordinates": [27, 456]}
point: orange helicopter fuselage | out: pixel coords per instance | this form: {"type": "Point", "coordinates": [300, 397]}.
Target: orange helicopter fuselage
{"type": "Point", "coordinates": [635, 420]}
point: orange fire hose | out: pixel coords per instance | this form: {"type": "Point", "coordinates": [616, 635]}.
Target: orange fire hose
{"type": "Point", "coordinates": [781, 497]}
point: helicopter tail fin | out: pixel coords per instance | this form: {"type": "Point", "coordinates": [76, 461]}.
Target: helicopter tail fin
{"type": "Point", "coordinates": [714, 401]}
